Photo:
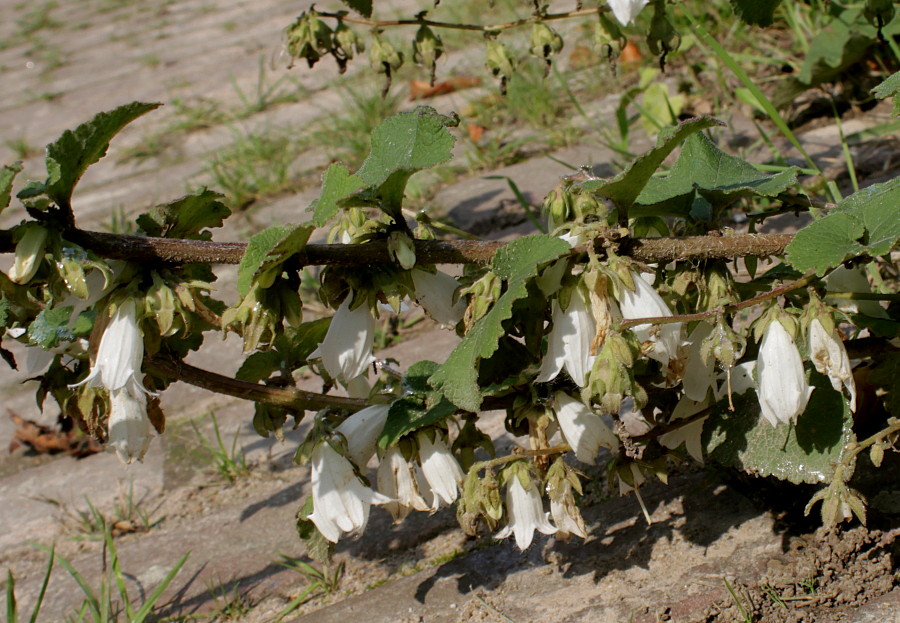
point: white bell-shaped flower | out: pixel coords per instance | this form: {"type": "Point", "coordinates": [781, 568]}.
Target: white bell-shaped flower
{"type": "Point", "coordinates": [526, 513]}
{"type": "Point", "coordinates": [346, 351]}
{"type": "Point", "coordinates": [582, 429]}
{"type": "Point", "coordinates": [626, 10]}
{"type": "Point", "coordinates": [644, 302]}
{"type": "Point", "coordinates": [121, 353]}
{"type": "Point", "coordinates": [440, 468]}
{"type": "Point", "coordinates": [783, 389]}
{"type": "Point", "coordinates": [129, 428]}
{"type": "Point", "coordinates": [699, 374]}
{"type": "Point", "coordinates": [688, 434]}
{"type": "Point", "coordinates": [397, 480]}
{"type": "Point", "coordinates": [341, 502]}
{"type": "Point", "coordinates": [434, 292]}
{"type": "Point", "coordinates": [29, 254]}
{"type": "Point", "coordinates": [565, 513]}
{"type": "Point", "coordinates": [361, 430]}
{"type": "Point", "coordinates": [829, 356]}
{"type": "Point", "coordinates": [569, 341]}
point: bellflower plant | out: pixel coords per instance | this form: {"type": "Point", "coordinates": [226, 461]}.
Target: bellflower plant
{"type": "Point", "coordinates": [526, 512]}
{"type": "Point", "coordinates": [434, 292]}
{"type": "Point", "coordinates": [783, 389]}
{"type": "Point", "coordinates": [361, 430]}
{"type": "Point", "coordinates": [626, 10]}
{"type": "Point", "coordinates": [129, 428]}
{"type": "Point", "coordinates": [569, 341]}
{"type": "Point", "coordinates": [440, 468]}
{"type": "Point", "coordinates": [829, 356]}
{"type": "Point", "coordinates": [341, 502]}
{"type": "Point", "coordinates": [346, 351]}
{"type": "Point", "coordinates": [582, 428]}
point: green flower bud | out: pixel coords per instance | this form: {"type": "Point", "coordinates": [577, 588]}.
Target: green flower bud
{"type": "Point", "coordinates": [427, 48]}
{"type": "Point", "coordinates": [402, 249]}
{"type": "Point", "coordinates": [662, 38]}
{"type": "Point", "coordinates": [29, 252]}
{"type": "Point", "coordinates": [498, 61]}
{"type": "Point", "coordinates": [879, 12]}
{"type": "Point", "coordinates": [308, 38]}
{"type": "Point", "coordinates": [545, 42]}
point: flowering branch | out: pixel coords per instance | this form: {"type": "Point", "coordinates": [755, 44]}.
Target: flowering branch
{"type": "Point", "coordinates": [487, 28]}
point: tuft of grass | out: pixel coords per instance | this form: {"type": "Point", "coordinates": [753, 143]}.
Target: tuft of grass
{"type": "Point", "coordinates": [109, 601]}
{"type": "Point", "coordinates": [255, 165]}
{"type": "Point", "coordinates": [266, 94]}
{"type": "Point", "coordinates": [229, 461]}
{"type": "Point", "coordinates": [319, 582]}
{"type": "Point", "coordinates": [745, 617]}
{"type": "Point", "coordinates": [230, 603]}
{"type": "Point", "coordinates": [91, 523]}
{"type": "Point", "coordinates": [22, 149]}
{"type": "Point", "coordinates": [36, 19]}
{"type": "Point", "coordinates": [12, 610]}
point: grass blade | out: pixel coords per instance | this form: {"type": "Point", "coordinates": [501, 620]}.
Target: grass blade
{"type": "Point", "coordinates": [43, 591]}
{"type": "Point", "coordinates": [148, 605]}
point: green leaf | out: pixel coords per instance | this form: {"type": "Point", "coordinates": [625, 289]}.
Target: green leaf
{"type": "Point", "coordinates": [879, 327]}
{"type": "Point", "coordinates": [864, 223]}
{"type": "Point", "coordinates": [291, 350]}
{"type": "Point", "coordinates": [625, 187]}
{"type": "Point", "coordinates": [807, 451]}
{"type": "Point", "coordinates": [73, 152]}
{"type": "Point", "coordinates": [186, 217]}
{"type": "Point", "coordinates": [415, 381]}
{"type": "Point", "coordinates": [51, 327]}
{"type": "Point", "coordinates": [410, 414]}
{"type": "Point", "coordinates": [890, 88]}
{"type": "Point", "coordinates": [337, 184]}
{"type": "Point", "coordinates": [4, 311]}
{"type": "Point", "coordinates": [885, 374]}
{"type": "Point", "coordinates": [755, 12]}
{"type": "Point", "coordinates": [515, 263]}
{"type": "Point", "coordinates": [402, 145]}
{"type": "Point", "coordinates": [269, 247]}
{"type": "Point", "coordinates": [7, 175]}
{"type": "Point", "coordinates": [318, 547]}
{"type": "Point", "coordinates": [719, 178]}
{"type": "Point", "coordinates": [363, 7]}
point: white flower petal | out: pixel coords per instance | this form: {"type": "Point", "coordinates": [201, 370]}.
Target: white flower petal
{"type": "Point", "coordinates": [526, 514]}
{"type": "Point", "coordinates": [569, 341]}
{"type": "Point", "coordinates": [397, 480]}
{"type": "Point", "coordinates": [434, 292]}
{"type": "Point", "coordinates": [699, 375]}
{"type": "Point", "coordinates": [340, 500]}
{"type": "Point", "coordinates": [361, 431]}
{"type": "Point", "coordinates": [829, 356]}
{"type": "Point", "coordinates": [121, 352]}
{"type": "Point", "coordinates": [441, 470]}
{"type": "Point", "coordinates": [582, 429]}
{"type": "Point", "coordinates": [129, 430]}
{"type": "Point", "coordinates": [783, 389]}
{"type": "Point", "coordinates": [346, 351]}
{"type": "Point", "coordinates": [644, 302]}
{"type": "Point", "coordinates": [626, 10]}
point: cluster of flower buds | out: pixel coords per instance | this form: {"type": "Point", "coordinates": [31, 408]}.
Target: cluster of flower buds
{"type": "Point", "coordinates": [310, 38]}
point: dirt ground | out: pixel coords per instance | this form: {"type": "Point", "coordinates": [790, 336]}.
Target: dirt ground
{"type": "Point", "coordinates": [718, 550]}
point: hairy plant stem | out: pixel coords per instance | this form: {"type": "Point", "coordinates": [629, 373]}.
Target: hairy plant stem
{"type": "Point", "coordinates": [775, 292]}
{"type": "Point", "coordinates": [176, 251]}
{"type": "Point", "coordinates": [486, 28]}
{"type": "Point", "coordinates": [519, 454]}
{"type": "Point", "coordinates": [852, 452]}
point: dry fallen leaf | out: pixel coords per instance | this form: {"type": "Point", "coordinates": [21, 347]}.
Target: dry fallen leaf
{"type": "Point", "coordinates": [419, 89]}
{"type": "Point", "coordinates": [51, 439]}
{"type": "Point", "coordinates": [630, 53]}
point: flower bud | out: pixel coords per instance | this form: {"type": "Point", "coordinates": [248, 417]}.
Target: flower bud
{"type": "Point", "coordinates": [427, 48]}
{"type": "Point", "coordinates": [401, 249]}
{"type": "Point", "coordinates": [29, 252]}
{"type": "Point", "coordinates": [498, 62]}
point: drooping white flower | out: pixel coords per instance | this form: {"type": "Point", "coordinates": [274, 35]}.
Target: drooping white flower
{"type": "Point", "coordinates": [361, 431]}
{"type": "Point", "coordinates": [397, 480]}
{"type": "Point", "coordinates": [129, 428]}
{"type": "Point", "coordinates": [626, 10]}
{"type": "Point", "coordinates": [121, 353]}
{"type": "Point", "coordinates": [341, 502]}
{"type": "Point", "coordinates": [688, 434]}
{"type": "Point", "coordinates": [440, 468]}
{"type": "Point", "coordinates": [526, 513]}
{"type": "Point", "coordinates": [644, 302]}
{"type": "Point", "coordinates": [569, 341]}
{"type": "Point", "coordinates": [783, 389]}
{"type": "Point", "coordinates": [699, 374]}
{"type": "Point", "coordinates": [346, 351]}
{"type": "Point", "coordinates": [434, 292]}
{"type": "Point", "coordinates": [582, 429]}
{"type": "Point", "coordinates": [829, 356]}
{"type": "Point", "coordinates": [564, 511]}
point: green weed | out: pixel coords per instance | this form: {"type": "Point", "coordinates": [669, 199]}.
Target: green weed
{"type": "Point", "coordinates": [266, 94]}
{"type": "Point", "coordinates": [229, 461]}
{"type": "Point", "coordinates": [91, 523]}
{"type": "Point", "coordinates": [22, 149]}
{"type": "Point", "coordinates": [109, 601]}
{"type": "Point", "coordinates": [230, 604]}
{"type": "Point", "coordinates": [12, 613]}
{"type": "Point", "coordinates": [320, 582]}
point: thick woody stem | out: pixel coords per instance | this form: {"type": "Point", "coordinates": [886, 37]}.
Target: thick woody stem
{"type": "Point", "coordinates": [143, 248]}
{"type": "Point", "coordinates": [289, 397]}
